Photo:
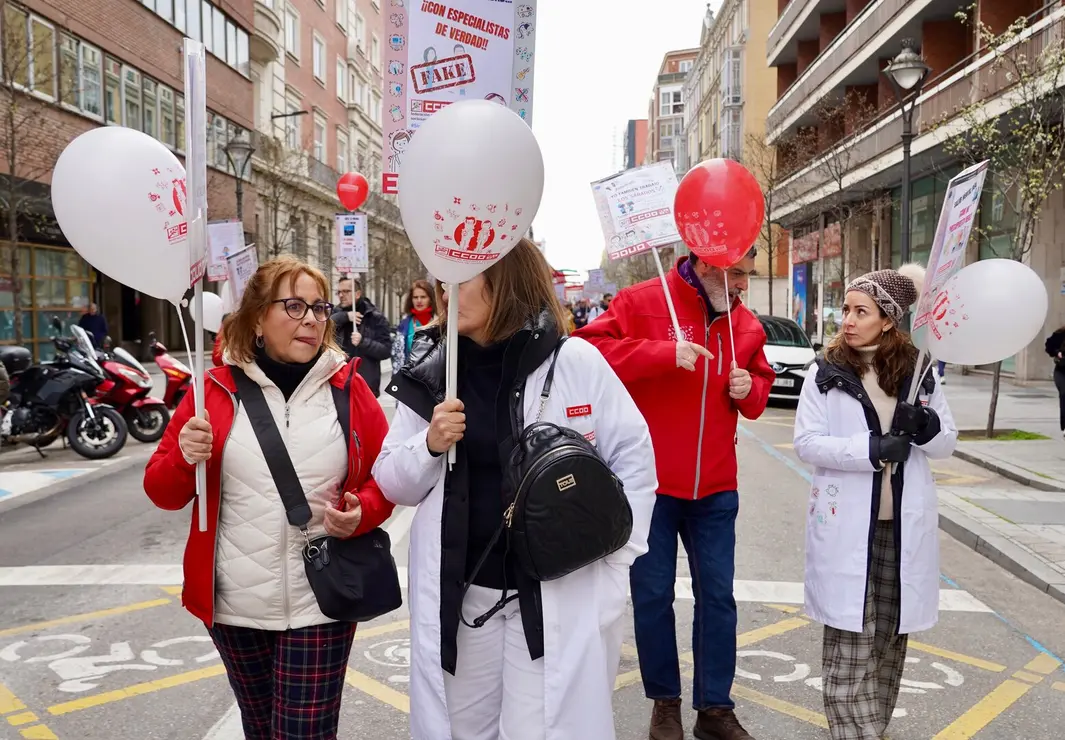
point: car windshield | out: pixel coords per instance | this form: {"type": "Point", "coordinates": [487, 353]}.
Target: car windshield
{"type": "Point", "coordinates": [784, 333]}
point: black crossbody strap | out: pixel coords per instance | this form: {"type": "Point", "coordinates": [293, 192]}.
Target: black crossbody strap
{"type": "Point", "coordinates": [273, 447]}
{"type": "Point", "coordinates": [545, 393]}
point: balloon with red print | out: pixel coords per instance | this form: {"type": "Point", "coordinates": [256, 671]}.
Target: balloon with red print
{"type": "Point", "coordinates": [352, 190]}
{"type": "Point", "coordinates": [719, 209]}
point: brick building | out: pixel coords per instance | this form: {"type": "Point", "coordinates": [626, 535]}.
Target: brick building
{"type": "Point", "coordinates": [665, 119]}
{"type": "Point", "coordinates": [69, 66]}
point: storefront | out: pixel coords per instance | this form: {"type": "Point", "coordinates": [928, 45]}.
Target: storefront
{"type": "Point", "coordinates": [54, 281]}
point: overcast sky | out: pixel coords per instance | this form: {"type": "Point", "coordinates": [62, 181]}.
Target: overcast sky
{"type": "Point", "coordinates": [596, 63]}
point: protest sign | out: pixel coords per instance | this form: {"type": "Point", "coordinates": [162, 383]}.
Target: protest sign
{"type": "Point", "coordinates": [948, 247]}
{"type": "Point", "coordinates": [438, 53]}
{"type": "Point", "coordinates": [353, 254]}
{"type": "Point", "coordinates": [636, 209]}
{"type": "Point", "coordinates": [241, 266]}
{"type": "Point", "coordinates": [223, 239]}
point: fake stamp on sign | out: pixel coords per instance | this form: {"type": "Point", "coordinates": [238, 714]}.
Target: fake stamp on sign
{"type": "Point", "coordinates": [443, 73]}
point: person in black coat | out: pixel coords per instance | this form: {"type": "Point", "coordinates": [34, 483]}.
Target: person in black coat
{"type": "Point", "coordinates": [362, 331]}
{"type": "Point", "coordinates": [1055, 346]}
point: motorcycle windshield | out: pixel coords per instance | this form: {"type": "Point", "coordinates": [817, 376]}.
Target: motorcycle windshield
{"type": "Point", "coordinates": [128, 359]}
{"type": "Point", "coordinates": [86, 348]}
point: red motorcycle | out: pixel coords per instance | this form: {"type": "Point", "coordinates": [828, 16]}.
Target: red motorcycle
{"type": "Point", "coordinates": [178, 376]}
{"type": "Point", "coordinates": [126, 389]}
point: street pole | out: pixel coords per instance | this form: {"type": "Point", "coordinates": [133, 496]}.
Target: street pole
{"type": "Point", "coordinates": [907, 139]}
{"type": "Point", "coordinates": [240, 199]}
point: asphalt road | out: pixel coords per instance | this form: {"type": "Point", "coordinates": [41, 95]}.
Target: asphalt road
{"type": "Point", "coordinates": [94, 644]}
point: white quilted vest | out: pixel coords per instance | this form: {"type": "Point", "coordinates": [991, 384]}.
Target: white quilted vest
{"type": "Point", "coordinates": [259, 576]}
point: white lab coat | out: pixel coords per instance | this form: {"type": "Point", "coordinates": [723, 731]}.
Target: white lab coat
{"type": "Point", "coordinates": [831, 433]}
{"type": "Point", "coordinates": [583, 611]}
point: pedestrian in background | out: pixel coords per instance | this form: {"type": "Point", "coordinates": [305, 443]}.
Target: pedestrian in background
{"type": "Point", "coordinates": [691, 390]}
{"type": "Point", "coordinates": [486, 666]}
{"type": "Point", "coordinates": [419, 309]}
{"type": "Point", "coordinates": [362, 331]}
{"type": "Point", "coordinates": [1055, 346]}
{"type": "Point", "coordinates": [95, 325]}
{"type": "Point", "coordinates": [872, 524]}
{"type": "Point", "coordinates": [600, 308]}
{"type": "Point", "coordinates": [244, 576]}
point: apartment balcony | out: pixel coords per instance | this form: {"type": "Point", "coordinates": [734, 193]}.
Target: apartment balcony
{"type": "Point", "coordinates": [357, 50]}
{"type": "Point", "coordinates": [264, 45]}
{"type": "Point", "coordinates": [852, 57]}
{"type": "Point", "coordinates": [873, 156]}
{"type": "Point", "coordinates": [799, 19]}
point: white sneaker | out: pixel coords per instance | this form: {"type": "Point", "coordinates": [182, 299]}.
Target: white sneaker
{"type": "Point", "coordinates": [942, 379]}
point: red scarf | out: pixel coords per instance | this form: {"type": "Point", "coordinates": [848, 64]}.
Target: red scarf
{"type": "Point", "coordinates": [423, 316]}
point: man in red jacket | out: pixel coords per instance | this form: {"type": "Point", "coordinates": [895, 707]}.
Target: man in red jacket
{"type": "Point", "coordinates": [690, 390]}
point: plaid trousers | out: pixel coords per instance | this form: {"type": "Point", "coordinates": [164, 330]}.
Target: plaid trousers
{"type": "Point", "coordinates": [863, 670]}
{"type": "Point", "coordinates": [288, 684]}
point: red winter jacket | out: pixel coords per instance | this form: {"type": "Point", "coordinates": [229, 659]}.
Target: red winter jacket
{"type": "Point", "coordinates": [690, 414]}
{"type": "Point", "coordinates": [170, 482]}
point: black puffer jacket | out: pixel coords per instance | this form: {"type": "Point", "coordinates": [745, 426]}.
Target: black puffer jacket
{"type": "Point", "coordinates": [376, 344]}
{"type": "Point", "coordinates": [5, 385]}
{"type": "Point", "coordinates": [420, 385]}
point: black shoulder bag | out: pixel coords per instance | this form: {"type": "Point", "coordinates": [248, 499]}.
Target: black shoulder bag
{"type": "Point", "coordinates": [354, 579]}
{"type": "Point", "coordinates": [568, 508]}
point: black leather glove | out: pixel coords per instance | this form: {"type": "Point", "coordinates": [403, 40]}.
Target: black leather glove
{"type": "Point", "coordinates": [890, 448]}
{"type": "Point", "coordinates": [910, 419]}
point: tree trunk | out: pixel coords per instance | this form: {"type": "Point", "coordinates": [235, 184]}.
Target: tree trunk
{"type": "Point", "coordinates": [993, 408]}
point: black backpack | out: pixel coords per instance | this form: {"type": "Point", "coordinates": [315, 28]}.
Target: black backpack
{"type": "Point", "coordinates": [567, 508]}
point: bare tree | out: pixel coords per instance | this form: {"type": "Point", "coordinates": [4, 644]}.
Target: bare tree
{"type": "Point", "coordinates": [279, 177]}
{"type": "Point", "coordinates": [772, 167]}
{"type": "Point", "coordinates": [631, 270]}
{"type": "Point", "coordinates": [1025, 145]}
{"type": "Point", "coordinates": [29, 131]}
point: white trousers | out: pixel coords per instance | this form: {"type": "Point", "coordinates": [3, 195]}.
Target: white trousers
{"type": "Point", "coordinates": [497, 692]}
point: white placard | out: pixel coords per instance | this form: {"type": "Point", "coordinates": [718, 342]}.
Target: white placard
{"type": "Point", "coordinates": [353, 252]}
{"type": "Point", "coordinates": [438, 53]}
{"type": "Point", "coordinates": [196, 155]}
{"type": "Point", "coordinates": [636, 209]}
{"type": "Point", "coordinates": [241, 266]}
{"type": "Point", "coordinates": [223, 239]}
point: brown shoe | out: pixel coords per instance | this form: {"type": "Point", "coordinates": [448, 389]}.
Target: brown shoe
{"type": "Point", "coordinates": [665, 720]}
{"type": "Point", "coordinates": [719, 724]}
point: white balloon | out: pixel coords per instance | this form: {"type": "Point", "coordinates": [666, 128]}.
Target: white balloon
{"type": "Point", "coordinates": [471, 180]}
{"type": "Point", "coordinates": [988, 312]}
{"type": "Point", "coordinates": [119, 197]}
{"type": "Point", "coordinates": [212, 312]}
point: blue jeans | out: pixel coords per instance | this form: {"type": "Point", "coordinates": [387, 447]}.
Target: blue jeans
{"type": "Point", "coordinates": [941, 367]}
{"type": "Point", "coordinates": [707, 528]}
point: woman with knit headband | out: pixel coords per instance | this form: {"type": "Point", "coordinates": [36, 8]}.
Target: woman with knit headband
{"type": "Point", "coordinates": [872, 539]}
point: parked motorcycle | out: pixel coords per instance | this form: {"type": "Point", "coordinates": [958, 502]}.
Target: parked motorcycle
{"type": "Point", "coordinates": [178, 375]}
{"type": "Point", "coordinates": [126, 389]}
{"type": "Point", "coordinates": [53, 398]}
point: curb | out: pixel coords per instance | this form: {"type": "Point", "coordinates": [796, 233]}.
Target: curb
{"type": "Point", "coordinates": [61, 486]}
{"type": "Point", "coordinates": [1013, 473]}
{"type": "Point", "coordinates": [1002, 551]}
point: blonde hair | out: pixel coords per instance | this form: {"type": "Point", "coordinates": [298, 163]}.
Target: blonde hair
{"type": "Point", "coordinates": [238, 330]}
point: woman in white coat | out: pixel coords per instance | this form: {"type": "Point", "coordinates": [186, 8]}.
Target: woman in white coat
{"type": "Point", "coordinates": [872, 532]}
{"type": "Point", "coordinates": [543, 666]}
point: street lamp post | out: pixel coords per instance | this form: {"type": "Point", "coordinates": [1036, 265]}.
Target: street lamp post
{"type": "Point", "coordinates": [907, 74]}
{"type": "Point", "coordinates": [238, 152]}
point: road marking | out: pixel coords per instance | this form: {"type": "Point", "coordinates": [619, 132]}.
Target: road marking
{"type": "Point", "coordinates": [1029, 677]}
{"type": "Point", "coordinates": [227, 728]}
{"type": "Point", "coordinates": [956, 657]}
{"type": "Point", "coordinates": [1059, 686]}
{"type": "Point", "coordinates": [172, 590]}
{"type": "Point", "coordinates": [378, 690]}
{"type": "Point", "coordinates": [148, 687]}
{"type": "Point", "coordinates": [384, 629]}
{"type": "Point", "coordinates": [10, 703]}
{"type": "Point", "coordinates": [758, 635]}
{"type": "Point", "coordinates": [779, 705]}
{"type": "Point", "coordinates": [88, 616]}
{"type": "Point", "coordinates": [775, 592]}
{"type": "Point", "coordinates": [1001, 698]}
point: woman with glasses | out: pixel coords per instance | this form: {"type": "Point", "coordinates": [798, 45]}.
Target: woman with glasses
{"type": "Point", "coordinates": [244, 576]}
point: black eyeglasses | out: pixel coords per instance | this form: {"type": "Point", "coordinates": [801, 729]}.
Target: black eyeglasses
{"type": "Point", "coordinates": [297, 308]}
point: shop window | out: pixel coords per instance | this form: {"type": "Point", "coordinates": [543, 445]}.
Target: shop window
{"type": "Point", "coordinates": [151, 100]}
{"type": "Point", "coordinates": [112, 92]}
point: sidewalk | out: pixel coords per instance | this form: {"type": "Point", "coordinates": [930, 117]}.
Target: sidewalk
{"type": "Point", "coordinates": [1021, 530]}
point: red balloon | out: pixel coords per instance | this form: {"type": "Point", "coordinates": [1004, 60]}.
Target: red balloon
{"type": "Point", "coordinates": [352, 190]}
{"type": "Point", "coordinates": [719, 210]}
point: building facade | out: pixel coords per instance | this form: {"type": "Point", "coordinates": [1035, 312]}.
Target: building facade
{"type": "Point", "coordinates": [665, 119]}
{"type": "Point", "coordinates": [727, 95]}
{"type": "Point", "coordinates": [68, 67]}
{"type": "Point", "coordinates": [842, 197]}
{"type": "Point", "coordinates": [635, 143]}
